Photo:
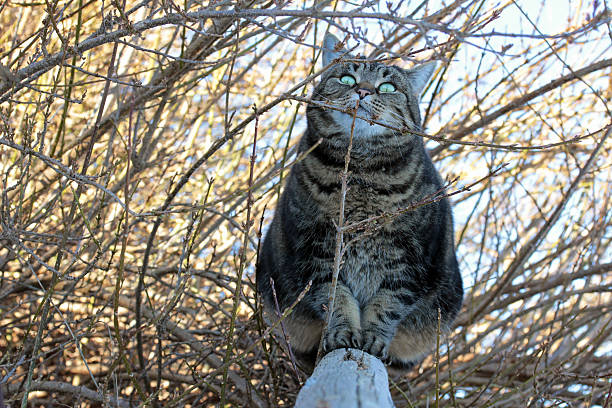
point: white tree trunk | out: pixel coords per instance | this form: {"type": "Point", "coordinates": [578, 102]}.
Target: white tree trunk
{"type": "Point", "coordinates": [347, 378]}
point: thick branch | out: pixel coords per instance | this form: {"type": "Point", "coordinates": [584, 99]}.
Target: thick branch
{"type": "Point", "coordinates": [347, 378]}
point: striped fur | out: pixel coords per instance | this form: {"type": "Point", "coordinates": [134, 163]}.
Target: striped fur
{"type": "Point", "coordinates": [394, 276]}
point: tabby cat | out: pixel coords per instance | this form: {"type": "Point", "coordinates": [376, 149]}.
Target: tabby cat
{"type": "Point", "coordinates": [395, 277]}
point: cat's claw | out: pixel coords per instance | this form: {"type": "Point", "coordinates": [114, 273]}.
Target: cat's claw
{"type": "Point", "coordinates": [341, 337]}
{"type": "Point", "coordinates": [376, 345]}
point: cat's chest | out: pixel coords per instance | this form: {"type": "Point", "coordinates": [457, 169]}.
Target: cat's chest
{"type": "Point", "coordinates": [364, 201]}
{"type": "Point", "coordinates": [367, 195]}
{"type": "Point", "coordinates": [371, 253]}
{"type": "Point", "coordinates": [365, 265]}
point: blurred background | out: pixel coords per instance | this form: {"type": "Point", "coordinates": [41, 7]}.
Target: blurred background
{"type": "Point", "coordinates": [143, 146]}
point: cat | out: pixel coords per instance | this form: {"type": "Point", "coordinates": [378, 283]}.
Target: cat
{"type": "Point", "coordinates": [395, 279]}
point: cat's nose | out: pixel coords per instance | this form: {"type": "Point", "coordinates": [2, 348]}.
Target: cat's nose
{"type": "Point", "coordinates": [363, 92]}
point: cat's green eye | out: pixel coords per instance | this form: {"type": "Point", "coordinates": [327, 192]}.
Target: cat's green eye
{"type": "Point", "coordinates": [386, 87]}
{"type": "Point", "coordinates": [348, 80]}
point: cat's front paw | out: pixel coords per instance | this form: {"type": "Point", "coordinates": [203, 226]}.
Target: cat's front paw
{"type": "Point", "coordinates": [341, 336]}
{"type": "Point", "coordinates": [376, 344]}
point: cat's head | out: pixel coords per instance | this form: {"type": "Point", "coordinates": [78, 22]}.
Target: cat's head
{"type": "Point", "coordinates": [386, 94]}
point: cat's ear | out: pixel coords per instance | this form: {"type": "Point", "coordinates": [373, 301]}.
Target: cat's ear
{"type": "Point", "coordinates": [330, 53]}
{"type": "Point", "coordinates": [420, 75]}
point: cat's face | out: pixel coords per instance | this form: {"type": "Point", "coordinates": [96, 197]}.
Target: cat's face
{"type": "Point", "coordinates": [385, 94]}
{"type": "Point", "coordinates": [380, 91]}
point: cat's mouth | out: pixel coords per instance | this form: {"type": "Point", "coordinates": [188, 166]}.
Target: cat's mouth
{"type": "Point", "coordinates": [363, 121]}
{"type": "Point", "coordinates": [362, 112]}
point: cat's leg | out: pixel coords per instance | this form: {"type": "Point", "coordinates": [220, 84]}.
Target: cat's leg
{"type": "Point", "coordinates": [380, 320]}
{"type": "Point", "coordinates": [345, 325]}
{"type": "Point", "coordinates": [344, 329]}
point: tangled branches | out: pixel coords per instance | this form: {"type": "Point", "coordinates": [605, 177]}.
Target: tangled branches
{"type": "Point", "coordinates": [134, 193]}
